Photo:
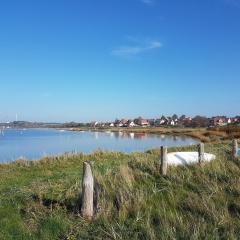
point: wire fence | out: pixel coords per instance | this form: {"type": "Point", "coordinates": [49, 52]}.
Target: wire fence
{"type": "Point", "coordinates": [89, 189]}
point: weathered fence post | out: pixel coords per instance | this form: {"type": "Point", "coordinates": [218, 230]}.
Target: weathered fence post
{"type": "Point", "coordinates": [235, 148]}
{"type": "Point", "coordinates": [87, 209]}
{"type": "Point", "coordinates": [163, 163]}
{"type": "Point", "coordinates": [201, 152]}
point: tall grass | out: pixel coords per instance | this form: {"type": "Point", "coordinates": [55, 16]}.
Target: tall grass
{"type": "Point", "coordinates": [39, 199]}
{"type": "Point", "coordinates": [233, 131]}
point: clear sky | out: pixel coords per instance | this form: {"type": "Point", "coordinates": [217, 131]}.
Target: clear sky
{"type": "Point", "coordinates": [73, 60]}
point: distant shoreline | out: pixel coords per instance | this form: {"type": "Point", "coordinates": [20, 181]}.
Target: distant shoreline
{"type": "Point", "coordinates": [202, 134]}
{"type": "Point", "coordinates": [212, 134]}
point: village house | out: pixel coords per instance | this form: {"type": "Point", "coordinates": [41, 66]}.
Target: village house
{"type": "Point", "coordinates": [124, 122]}
{"type": "Point", "coordinates": [236, 120]}
{"type": "Point", "coordinates": [165, 121]}
{"type": "Point", "coordinates": [151, 121]}
{"type": "Point", "coordinates": [175, 121]}
{"type": "Point", "coordinates": [93, 124]}
{"type": "Point", "coordinates": [222, 121]}
{"type": "Point", "coordinates": [218, 121]}
{"type": "Point", "coordinates": [171, 122]}
{"type": "Point", "coordinates": [141, 122]}
{"type": "Point", "coordinates": [229, 121]}
{"type": "Point", "coordinates": [117, 122]}
{"type": "Point", "coordinates": [157, 122]}
{"type": "Point", "coordinates": [144, 123]}
{"type": "Point", "coordinates": [131, 124]}
{"type": "Point", "coordinates": [161, 121]}
{"type": "Point", "coordinates": [188, 119]}
{"type": "Point", "coordinates": [121, 123]}
{"type": "Point", "coordinates": [111, 125]}
{"type": "Point", "coordinates": [185, 121]}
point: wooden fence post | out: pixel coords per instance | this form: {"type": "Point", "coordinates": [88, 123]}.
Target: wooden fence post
{"type": "Point", "coordinates": [163, 163]}
{"type": "Point", "coordinates": [235, 148]}
{"type": "Point", "coordinates": [201, 152]}
{"type": "Point", "coordinates": [87, 209]}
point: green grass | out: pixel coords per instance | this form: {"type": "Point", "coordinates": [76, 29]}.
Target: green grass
{"type": "Point", "coordinates": [39, 199]}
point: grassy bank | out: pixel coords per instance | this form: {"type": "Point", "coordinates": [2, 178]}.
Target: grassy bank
{"type": "Point", "coordinates": [213, 134]}
{"type": "Point", "coordinates": [39, 199]}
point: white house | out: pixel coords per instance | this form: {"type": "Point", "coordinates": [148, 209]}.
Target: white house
{"type": "Point", "coordinates": [159, 122]}
{"type": "Point", "coordinates": [131, 124]}
{"type": "Point", "coordinates": [172, 122]}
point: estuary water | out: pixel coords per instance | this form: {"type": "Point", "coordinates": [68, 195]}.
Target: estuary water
{"type": "Point", "coordinates": [34, 144]}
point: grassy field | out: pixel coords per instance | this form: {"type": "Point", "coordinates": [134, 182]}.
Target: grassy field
{"type": "Point", "coordinates": [39, 199]}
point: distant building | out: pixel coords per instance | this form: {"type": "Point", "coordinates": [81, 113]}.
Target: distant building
{"type": "Point", "coordinates": [131, 124]}
{"type": "Point", "coordinates": [117, 122]}
{"type": "Point", "coordinates": [186, 121]}
{"type": "Point", "coordinates": [163, 120]}
{"type": "Point", "coordinates": [218, 121]}
{"type": "Point", "coordinates": [124, 122]}
{"type": "Point", "coordinates": [93, 124]}
{"type": "Point", "coordinates": [151, 121]}
{"type": "Point", "coordinates": [157, 122]}
{"type": "Point", "coordinates": [111, 125]}
{"type": "Point", "coordinates": [236, 120]}
{"type": "Point", "coordinates": [141, 122]}
{"type": "Point", "coordinates": [171, 122]}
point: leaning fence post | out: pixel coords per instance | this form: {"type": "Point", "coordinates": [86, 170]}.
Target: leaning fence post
{"type": "Point", "coordinates": [87, 209]}
{"type": "Point", "coordinates": [201, 152]}
{"type": "Point", "coordinates": [163, 163]}
{"type": "Point", "coordinates": [235, 148]}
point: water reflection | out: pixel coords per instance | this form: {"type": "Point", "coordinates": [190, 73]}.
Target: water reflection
{"type": "Point", "coordinates": [96, 135]}
{"type": "Point", "coordinates": [133, 135]}
{"type": "Point", "coordinates": [35, 143]}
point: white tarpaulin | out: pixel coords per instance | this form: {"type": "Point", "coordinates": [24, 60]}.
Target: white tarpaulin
{"type": "Point", "coordinates": [184, 158]}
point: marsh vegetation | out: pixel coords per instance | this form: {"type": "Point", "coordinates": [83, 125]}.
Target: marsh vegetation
{"type": "Point", "coordinates": [40, 199]}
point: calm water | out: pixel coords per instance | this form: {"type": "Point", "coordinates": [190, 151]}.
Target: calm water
{"type": "Point", "coordinates": [36, 143]}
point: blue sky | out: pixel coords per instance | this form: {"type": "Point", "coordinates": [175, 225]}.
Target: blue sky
{"type": "Point", "coordinates": [100, 60]}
